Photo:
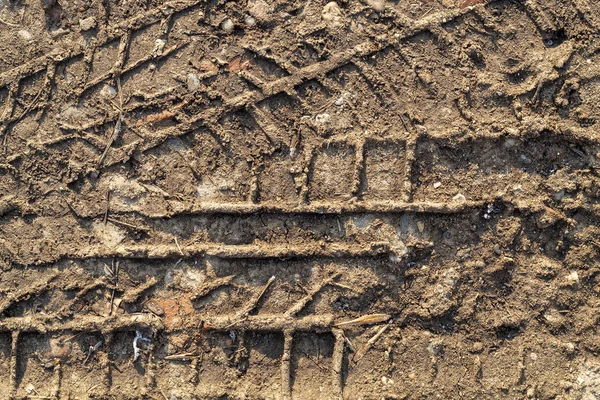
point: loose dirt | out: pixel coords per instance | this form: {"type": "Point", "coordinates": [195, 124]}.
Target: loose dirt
{"type": "Point", "coordinates": [218, 186]}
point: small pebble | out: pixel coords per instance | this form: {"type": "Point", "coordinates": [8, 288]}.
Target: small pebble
{"type": "Point", "coordinates": [25, 35]}
{"type": "Point", "coordinates": [87, 24]}
{"type": "Point", "coordinates": [510, 142]}
{"type": "Point", "coordinates": [159, 45]}
{"type": "Point", "coordinates": [420, 226]}
{"type": "Point", "coordinates": [497, 249]}
{"type": "Point", "coordinates": [108, 91]}
{"type": "Point", "coordinates": [533, 356]}
{"type": "Point", "coordinates": [378, 5]}
{"type": "Point", "coordinates": [29, 388]}
{"type": "Point", "coordinates": [227, 25]}
{"type": "Point", "coordinates": [386, 381]}
{"type": "Point", "coordinates": [193, 83]}
{"type": "Point", "coordinates": [395, 258]}
{"type": "Point", "coordinates": [249, 20]}
{"type": "Point", "coordinates": [437, 185]}
{"type": "Point", "coordinates": [322, 118]}
{"type": "Point", "coordinates": [435, 346]}
{"type": "Point", "coordinates": [558, 196]}
{"type": "Point", "coordinates": [459, 197]}
{"type": "Point", "coordinates": [573, 278]}
{"type": "Point", "coordinates": [569, 348]}
{"type": "Point", "coordinates": [332, 13]}
{"type": "Point", "coordinates": [340, 101]}
{"type": "Point", "coordinates": [56, 33]}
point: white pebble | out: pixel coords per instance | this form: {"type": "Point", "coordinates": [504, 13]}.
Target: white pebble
{"type": "Point", "coordinates": [159, 45]}
{"type": "Point", "coordinates": [108, 91]}
{"type": "Point", "coordinates": [29, 388]}
{"type": "Point", "coordinates": [332, 13]}
{"type": "Point", "coordinates": [569, 348]}
{"type": "Point", "coordinates": [437, 185]}
{"type": "Point", "coordinates": [193, 83]}
{"type": "Point", "coordinates": [573, 278]}
{"type": "Point", "coordinates": [322, 118]}
{"type": "Point", "coordinates": [25, 35]}
{"type": "Point", "coordinates": [459, 197]}
{"type": "Point", "coordinates": [395, 258]}
{"type": "Point", "coordinates": [249, 20]}
{"type": "Point", "coordinates": [227, 25]}
{"type": "Point", "coordinates": [378, 5]}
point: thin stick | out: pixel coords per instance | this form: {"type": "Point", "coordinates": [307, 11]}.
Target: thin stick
{"type": "Point", "coordinates": [338, 362]}
{"type": "Point", "coordinates": [137, 228]}
{"type": "Point", "coordinates": [182, 356]}
{"type": "Point", "coordinates": [363, 350]}
{"type": "Point", "coordinates": [115, 134]}
{"type": "Point", "coordinates": [255, 301]}
{"type": "Point", "coordinates": [212, 285]}
{"type": "Point", "coordinates": [286, 360]}
{"type": "Point", "coordinates": [112, 299]}
{"type": "Point", "coordinates": [14, 354]}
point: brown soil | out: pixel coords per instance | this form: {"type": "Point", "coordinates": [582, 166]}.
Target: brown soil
{"type": "Point", "coordinates": [222, 183]}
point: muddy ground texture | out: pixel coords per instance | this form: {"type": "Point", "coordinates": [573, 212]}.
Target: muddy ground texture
{"type": "Point", "coordinates": [194, 195]}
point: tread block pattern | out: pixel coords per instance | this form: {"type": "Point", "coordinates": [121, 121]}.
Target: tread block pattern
{"type": "Point", "coordinates": [207, 162]}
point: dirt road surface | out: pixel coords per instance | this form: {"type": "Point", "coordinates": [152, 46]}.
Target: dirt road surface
{"type": "Point", "coordinates": [195, 197]}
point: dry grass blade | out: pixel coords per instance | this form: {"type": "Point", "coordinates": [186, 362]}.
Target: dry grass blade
{"type": "Point", "coordinates": [365, 320]}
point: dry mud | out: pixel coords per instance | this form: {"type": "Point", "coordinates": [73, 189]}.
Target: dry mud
{"type": "Point", "coordinates": [221, 183]}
